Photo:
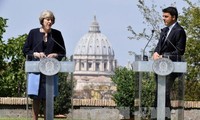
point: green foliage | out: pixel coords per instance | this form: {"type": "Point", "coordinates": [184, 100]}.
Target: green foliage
{"type": "Point", "coordinates": [125, 95]}
{"type": "Point", "coordinates": [63, 100]}
{"type": "Point", "coordinates": [125, 80]}
{"type": "Point", "coordinates": [193, 59]}
{"type": "Point", "coordinates": [190, 20]}
{"type": "Point", "coordinates": [13, 80]}
{"type": "Point", "coordinates": [2, 49]}
{"type": "Point", "coordinates": [148, 90]}
{"type": "Point", "coordinates": [2, 27]}
{"type": "Point", "coordinates": [191, 23]}
{"type": "Point", "coordinates": [11, 64]}
{"type": "Point", "coordinates": [192, 90]}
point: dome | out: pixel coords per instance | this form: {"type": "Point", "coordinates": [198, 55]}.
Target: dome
{"type": "Point", "coordinates": [93, 54]}
{"type": "Point", "coordinates": [94, 42]}
{"type": "Point", "coordinates": [94, 65]}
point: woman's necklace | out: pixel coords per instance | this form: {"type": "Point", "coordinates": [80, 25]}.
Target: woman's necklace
{"type": "Point", "coordinates": [45, 35]}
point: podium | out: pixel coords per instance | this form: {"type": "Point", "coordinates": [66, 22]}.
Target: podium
{"type": "Point", "coordinates": [49, 67]}
{"type": "Point", "coordinates": [162, 67]}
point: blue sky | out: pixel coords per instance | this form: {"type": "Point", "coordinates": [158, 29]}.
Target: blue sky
{"type": "Point", "coordinates": [73, 18]}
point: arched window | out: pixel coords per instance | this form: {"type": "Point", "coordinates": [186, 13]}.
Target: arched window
{"type": "Point", "coordinates": [97, 66]}
{"type": "Point", "coordinates": [82, 66]}
{"type": "Point", "coordinates": [105, 67]}
{"type": "Point", "coordinates": [89, 66]}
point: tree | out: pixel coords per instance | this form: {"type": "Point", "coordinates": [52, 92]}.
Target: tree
{"type": "Point", "coordinates": [125, 95]}
{"type": "Point", "coordinates": [125, 80]}
{"type": "Point", "coordinates": [190, 20]}
{"type": "Point", "coordinates": [63, 100]}
{"type": "Point", "coordinates": [2, 50]}
{"type": "Point", "coordinates": [14, 76]}
{"type": "Point", "coordinates": [191, 23]}
{"type": "Point", "coordinates": [153, 21]}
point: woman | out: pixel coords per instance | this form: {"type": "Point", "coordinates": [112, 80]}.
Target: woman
{"type": "Point", "coordinates": [43, 42]}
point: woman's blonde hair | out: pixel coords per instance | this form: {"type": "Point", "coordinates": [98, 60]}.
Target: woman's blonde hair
{"type": "Point", "coordinates": [47, 14]}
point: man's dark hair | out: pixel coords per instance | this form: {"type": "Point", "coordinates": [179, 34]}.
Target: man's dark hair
{"type": "Point", "coordinates": [172, 11]}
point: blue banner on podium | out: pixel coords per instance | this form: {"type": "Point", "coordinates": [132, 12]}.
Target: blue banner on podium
{"type": "Point", "coordinates": [33, 83]}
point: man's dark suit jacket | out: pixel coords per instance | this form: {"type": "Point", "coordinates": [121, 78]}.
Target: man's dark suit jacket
{"type": "Point", "coordinates": [174, 45]}
{"type": "Point", "coordinates": [173, 48]}
{"type": "Point", "coordinates": [34, 43]}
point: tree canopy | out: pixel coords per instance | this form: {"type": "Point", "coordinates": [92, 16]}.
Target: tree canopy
{"type": "Point", "coordinates": [12, 64]}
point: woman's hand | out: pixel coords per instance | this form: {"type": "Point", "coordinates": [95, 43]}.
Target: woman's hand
{"type": "Point", "coordinates": [39, 55]}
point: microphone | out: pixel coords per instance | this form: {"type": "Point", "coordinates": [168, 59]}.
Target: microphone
{"type": "Point", "coordinates": [30, 56]}
{"type": "Point", "coordinates": [165, 30]}
{"type": "Point", "coordinates": [51, 39]}
{"type": "Point", "coordinates": [163, 36]}
{"type": "Point", "coordinates": [152, 31]}
{"type": "Point", "coordinates": [173, 45]}
{"type": "Point", "coordinates": [145, 58]}
{"type": "Point", "coordinates": [178, 58]}
{"type": "Point", "coordinates": [58, 44]}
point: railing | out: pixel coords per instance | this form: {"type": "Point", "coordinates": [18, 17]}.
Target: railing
{"type": "Point", "coordinates": [89, 102]}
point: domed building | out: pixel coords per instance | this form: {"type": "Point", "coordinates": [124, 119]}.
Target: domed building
{"type": "Point", "coordinates": [94, 65]}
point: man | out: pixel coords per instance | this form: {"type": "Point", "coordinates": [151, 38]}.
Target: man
{"type": "Point", "coordinates": [171, 44]}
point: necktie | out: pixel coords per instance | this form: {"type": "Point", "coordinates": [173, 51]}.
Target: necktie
{"type": "Point", "coordinates": [165, 35]}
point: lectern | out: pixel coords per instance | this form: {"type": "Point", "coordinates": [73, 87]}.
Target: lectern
{"type": "Point", "coordinates": [49, 67]}
{"type": "Point", "coordinates": [161, 67]}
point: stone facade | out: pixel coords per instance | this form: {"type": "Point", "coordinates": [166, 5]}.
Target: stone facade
{"type": "Point", "coordinates": [15, 107]}
{"type": "Point", "coordinates": [89, 87]}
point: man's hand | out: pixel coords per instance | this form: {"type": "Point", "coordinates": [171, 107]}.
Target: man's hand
{"type": "Point", "coordinates": [156, 56]}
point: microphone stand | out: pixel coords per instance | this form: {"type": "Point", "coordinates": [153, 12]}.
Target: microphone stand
{"type": "Point", "coordinates": [139, 85]}
{"type": "Point", "coordinates": [143, 52]}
